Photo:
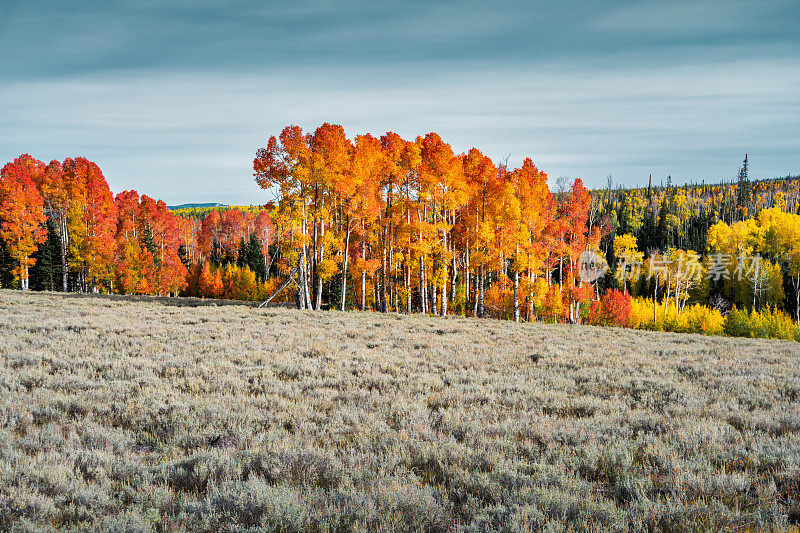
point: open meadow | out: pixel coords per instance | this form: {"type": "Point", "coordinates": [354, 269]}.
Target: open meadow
{"type": "Point", "coordinates": [137, 416]}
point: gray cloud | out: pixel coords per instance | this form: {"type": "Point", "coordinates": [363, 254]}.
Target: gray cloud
{"type": "Point", "coordinates": [173, 98]}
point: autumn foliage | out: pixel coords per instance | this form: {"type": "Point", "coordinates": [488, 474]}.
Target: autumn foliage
{"type": "Point", "coordinates": [21, 212]}
{"type": "Point", "coordinates": [612, 309]}
{"type": "Point", "coordinates": [104, 244]}
{"type": "Point", "coordinates": [409, 225]}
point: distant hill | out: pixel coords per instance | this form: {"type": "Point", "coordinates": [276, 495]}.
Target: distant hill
{"type": "Point", "coordinates": [199, 211]}
{"type": "Point", "coordinates": [195, 206]}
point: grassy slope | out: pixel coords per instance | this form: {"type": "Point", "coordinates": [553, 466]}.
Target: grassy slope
{"type": "Point", "coordinates": [387, 422]}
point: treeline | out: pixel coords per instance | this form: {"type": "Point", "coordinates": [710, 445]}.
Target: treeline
{"type": "Point", "coordinates": [62, 229]}
{"type": "Point", "coordinates": [742, 237]}
{"type": "Point", "coordinates": [390, 224]}
{"type": "Point", "coordinates": [408, 225]}
{"type": "Point", "coordinates": [203, 211]}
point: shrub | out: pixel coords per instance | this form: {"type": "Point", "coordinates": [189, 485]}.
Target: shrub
{"type": "Point", "coordinates": [537, 292]}
{"type": "Point", "coordinates": [673, 321]}
{"type": "Point", "coordinates": [705, 320]}
{"type": "Point", "coordinates": [612, 309]}
{"type": "Point", "coordinates": [737, 323]}
{"type": "Point", "coordinates": [498, 299]}
{"type": "Point", "coordinates": [553, 306]}
{"type": "Point", "coordinates": [773, 324]}
{"type": "Point", "coordinates": [766, 324]}
{"type": "Point", "coordinates": [639, 317]}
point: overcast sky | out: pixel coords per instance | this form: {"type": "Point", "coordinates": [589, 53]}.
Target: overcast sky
{"type": "Point", "coordinates": [173, 97]}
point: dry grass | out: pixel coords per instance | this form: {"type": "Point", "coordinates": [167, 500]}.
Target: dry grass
{"type": "Point", "coordinates": [134, 416]}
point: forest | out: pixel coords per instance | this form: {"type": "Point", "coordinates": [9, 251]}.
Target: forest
{"type": "Point", "coordinates": [396, 225]}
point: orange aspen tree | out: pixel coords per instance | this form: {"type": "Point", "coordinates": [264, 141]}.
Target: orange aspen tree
{"type": "Point", "coordinates": [21, 213]}
{"type": "Point", "coordinates": [58, 192]}
{"type": "Point", "coordinates": [393, 147]}
{"type": "Point", "coordinates": [189, 230]}
{"type": "Point", "coordinates": [409, 168]}
{"type": "Point", "coordinates": [574, 213]}
{"type": "Point", "coordinates": [444, 189]}
{"type": "Point", "coordinates": [536, 212]}
{"type": "Point", "coordinates": [93, 221]}
{"type": "Point", "coordinates": [161, 228]}
{"type": "Point", "coordinates": [265, 233]}
{"type": "Point", "coordinates": [480, 175]}
{"type": "Point", "coordinates": [283, 165]}
{"type": "Point", "coordinates": [128, 263]}
{"type": "Point", "coordinates": [329, 166]}
{"type": "Point", "coordinates": [359, 201]}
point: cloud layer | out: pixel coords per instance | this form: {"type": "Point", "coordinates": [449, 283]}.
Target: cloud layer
{"type": "Point", "coordinates": [174, 98]}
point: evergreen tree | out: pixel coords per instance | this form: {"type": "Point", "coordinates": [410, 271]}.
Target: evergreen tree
{"type": "Point", "coordinates": [229, 255]}
{"type": "Point", "coordinates": [646, 238]}
{"type": "Point", "coordinates": [609, 280]}
{"type": "Point", "coordinates": [241, 256]}
{"type": "Point", "coordinates": [183, 256]}
{"type": "Point", "coordinates": [697, 231]}
{"type": "Point", "coordinates": [150, 244]}
{"type": "Point", "coordinates": [255, 259]}
{"type": "Point", "coordinates": [743, 191]}
{"type": "Point", "coordinates": [46, 272]}
{"type": "Point", "coordinates": [7, 265]}
{"type": "Point", "coordinates": [663, 239]}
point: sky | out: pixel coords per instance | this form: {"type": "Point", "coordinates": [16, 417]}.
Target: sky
{"type": "Point", "coordinates": [173, 97]}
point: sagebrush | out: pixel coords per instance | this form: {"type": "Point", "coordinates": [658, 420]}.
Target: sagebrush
{"type": "Point", "coordinates": [137, 416]}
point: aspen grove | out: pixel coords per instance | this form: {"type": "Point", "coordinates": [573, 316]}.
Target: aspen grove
{"type": "Point", "coordinates": [410, 226]}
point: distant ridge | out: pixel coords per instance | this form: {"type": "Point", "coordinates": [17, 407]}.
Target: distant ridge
{"type": "Point", "coordinates": [189, 206]}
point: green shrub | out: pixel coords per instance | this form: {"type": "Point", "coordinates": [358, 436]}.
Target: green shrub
{"type": "Point", "coordinates": [737, 323]}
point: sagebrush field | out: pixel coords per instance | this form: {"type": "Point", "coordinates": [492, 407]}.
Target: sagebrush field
{"type": "Point", "coordinates": [138, 416]}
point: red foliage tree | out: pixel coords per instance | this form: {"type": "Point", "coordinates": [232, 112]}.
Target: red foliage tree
{"type": "Point", "coordinates": [21, 212]}
{"type": "Point", "coordinates": [210, 282]}
{"type": "Point", "coordinates": [612, 309]}
{"type": "Point", "coordinates": [92, 225]}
